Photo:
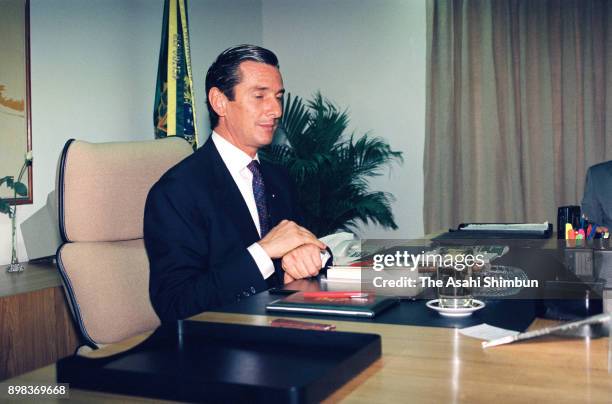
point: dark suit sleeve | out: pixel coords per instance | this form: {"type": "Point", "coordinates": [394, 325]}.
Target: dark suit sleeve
{"type": "Point", "coordinates": [176, 235]}
{"type": "Point", "coordinates": [591, 206]}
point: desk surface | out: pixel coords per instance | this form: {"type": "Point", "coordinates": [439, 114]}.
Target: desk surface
{"type": "Point", "coordinates": [438, 365]}
{"type": "Point", "coordinates": [419, 364]}
{"type": "Point", "coordinates": [36, 276]}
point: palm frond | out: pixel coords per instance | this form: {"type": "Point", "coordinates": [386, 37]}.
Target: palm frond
{"type": "Point", "coordinates": [295, 119]}
{"type": "Point", "coordinates": [331, 169]}
{"type": "Point", "coordinates": [327, 123]}
{"type": "Point", "coordinates": [301, 169]}
{"type": "Point", "coordinates": [277, 154]}
{"type": "Point", "coordinates": [369, 155]}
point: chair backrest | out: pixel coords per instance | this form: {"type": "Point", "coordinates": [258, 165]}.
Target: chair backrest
{"type": "Point", "coordinates": [102, 189]}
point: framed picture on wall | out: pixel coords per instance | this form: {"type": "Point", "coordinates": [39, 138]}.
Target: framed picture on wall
{"type": "Point", "coordinates": [15, 105]}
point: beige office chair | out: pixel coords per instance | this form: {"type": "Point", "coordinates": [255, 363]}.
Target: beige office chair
{"type": "Point", "coordinates": [102, 189]}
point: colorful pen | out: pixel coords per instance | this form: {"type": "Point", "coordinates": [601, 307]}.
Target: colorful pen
{"type": "Point", "coordinates": [568, 230]}
{"type": "Point", "coordinates": [590, 231]}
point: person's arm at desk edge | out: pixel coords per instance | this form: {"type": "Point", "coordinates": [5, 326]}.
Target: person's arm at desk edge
{"type": "Point", "coordinates": [591, 205]}
{"type": "Point", "coordinates": [179, 285]}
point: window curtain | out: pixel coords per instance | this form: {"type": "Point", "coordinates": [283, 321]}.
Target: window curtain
{"type": "Point", "coordinates": [519, 105]}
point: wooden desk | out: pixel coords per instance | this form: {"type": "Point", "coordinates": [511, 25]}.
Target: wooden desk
{"type": "Point", "coordinates": [438, 365]}
{"type": "Point", "coordinates": [36, 326]}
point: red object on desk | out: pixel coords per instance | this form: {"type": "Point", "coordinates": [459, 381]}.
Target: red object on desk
{"type": "Point", "coordinates": [334, 295]}
{"type": "Point", "coordinates": [301, 325]}
{"type": "Point", "coordinates": [366, 263]}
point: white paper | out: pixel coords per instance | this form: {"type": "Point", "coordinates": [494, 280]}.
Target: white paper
{"type": "Point", "coordinates": [486, 332]}
{"type": "Point", "coordinates": [572, 325]}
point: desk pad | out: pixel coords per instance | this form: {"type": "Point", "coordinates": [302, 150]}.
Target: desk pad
{"type": "Point", "coordinates": [215, 362]}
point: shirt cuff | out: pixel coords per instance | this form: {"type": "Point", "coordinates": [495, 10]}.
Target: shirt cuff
{"type": "Point", "coordinates": [325, 256]}
{"type": "Point", "coordinates": [263, 262]}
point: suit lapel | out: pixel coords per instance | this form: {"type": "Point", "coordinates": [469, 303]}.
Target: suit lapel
{"type": "Point", "coordinates": [228, 196]}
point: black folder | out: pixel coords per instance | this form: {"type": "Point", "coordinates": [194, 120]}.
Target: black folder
{"type": "Point", "coordinates": [367, 307]}
{"type": "Point", "coordinates": [215, 362]}
{"type": "Point", "coordinates": [462, 234]}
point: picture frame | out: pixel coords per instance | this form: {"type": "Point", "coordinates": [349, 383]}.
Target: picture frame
{"type": "Point", "coordinates": [15, 96]}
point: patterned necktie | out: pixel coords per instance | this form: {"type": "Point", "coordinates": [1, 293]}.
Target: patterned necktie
{"type": "Point", "coordinates": [259, 191]}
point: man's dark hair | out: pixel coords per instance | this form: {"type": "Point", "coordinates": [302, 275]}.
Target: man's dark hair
{"type": "Point", "coordinates": [224, 73]}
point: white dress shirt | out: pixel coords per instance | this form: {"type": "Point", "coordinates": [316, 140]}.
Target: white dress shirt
{"type": "Point", "coordinates": [236, 162]}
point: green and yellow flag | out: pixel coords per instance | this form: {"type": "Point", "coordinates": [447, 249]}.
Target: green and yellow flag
{"type": "Point", "coordinates": [174, 110]}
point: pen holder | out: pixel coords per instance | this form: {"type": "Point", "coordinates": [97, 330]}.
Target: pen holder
{"type": "Point", "coordinates": [567, 214]}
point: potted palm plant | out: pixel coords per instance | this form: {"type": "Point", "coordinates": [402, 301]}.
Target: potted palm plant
{"type": "Point", "coordinates": [331, 168]}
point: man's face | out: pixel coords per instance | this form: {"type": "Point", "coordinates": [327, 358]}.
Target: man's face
{"type": "Point", "coordinates": [249, 121]}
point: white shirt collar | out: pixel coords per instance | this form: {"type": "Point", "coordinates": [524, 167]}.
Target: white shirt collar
{"type": "Point", "coordinates": [235, 159]}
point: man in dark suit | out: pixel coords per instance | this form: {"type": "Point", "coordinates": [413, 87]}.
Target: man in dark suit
{"type": "Point", "coordinates": [222, 225]}
{"type": "Point", "coordinates": [597, 199]}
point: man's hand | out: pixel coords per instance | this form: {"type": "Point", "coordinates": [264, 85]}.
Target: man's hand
{"type": "Point", "coordinates": [302, 262]}
{"type": "Point", "coordinates": [287, 278]}
{"type": "Point", "coordinates": [287, 236]}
